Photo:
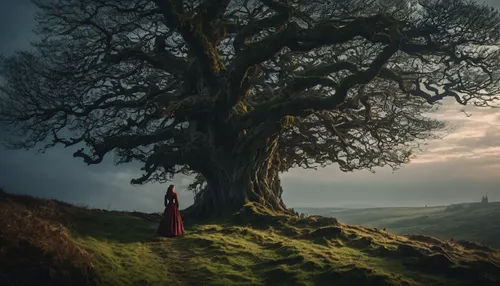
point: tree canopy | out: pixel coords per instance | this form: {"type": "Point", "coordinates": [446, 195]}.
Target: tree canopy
{"type": "Point", "coordinates": [246, 89]}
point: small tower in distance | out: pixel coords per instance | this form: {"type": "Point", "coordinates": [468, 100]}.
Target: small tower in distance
{"type": "Point", "coordinates": [484, 199]}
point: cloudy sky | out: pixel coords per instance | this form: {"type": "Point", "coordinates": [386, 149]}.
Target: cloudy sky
{"type": "Point", "coordinates": [461, 167]}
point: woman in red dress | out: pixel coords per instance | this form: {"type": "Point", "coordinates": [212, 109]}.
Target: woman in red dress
{"type": "Point", "coordinates": [171, 222]}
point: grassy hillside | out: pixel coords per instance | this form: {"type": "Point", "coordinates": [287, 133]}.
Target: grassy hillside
{"type": "Point", "coordinates": [44, 241]}
{"type": "Point", "coordinates": [469, 221]}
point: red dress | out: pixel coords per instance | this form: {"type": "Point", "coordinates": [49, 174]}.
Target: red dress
{"type": "Point", "coordinates": [171, 222]}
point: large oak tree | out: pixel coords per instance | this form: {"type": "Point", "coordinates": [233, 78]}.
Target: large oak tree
{"type": "Point", "coordinates": [236, 91]}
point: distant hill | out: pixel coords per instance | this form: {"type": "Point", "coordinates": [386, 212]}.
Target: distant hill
{"type": "Point", "coordinates": [470, 221]}
{"type": "Point", "coordinates": [46, 242]}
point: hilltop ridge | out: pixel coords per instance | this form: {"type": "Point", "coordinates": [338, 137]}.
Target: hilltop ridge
{"type": "Point", "coordinates": [56, 242]}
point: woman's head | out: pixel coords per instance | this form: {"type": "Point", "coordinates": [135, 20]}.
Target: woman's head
{"type": "Point", "coordinates": [170, 189]}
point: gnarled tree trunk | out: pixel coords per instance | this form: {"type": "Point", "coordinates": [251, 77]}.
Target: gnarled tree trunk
{"type": "Point", "coordinates": [235, 178]}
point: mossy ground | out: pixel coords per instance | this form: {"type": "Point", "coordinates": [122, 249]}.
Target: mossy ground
{"type": "Point", "coordinates": [252, 247]}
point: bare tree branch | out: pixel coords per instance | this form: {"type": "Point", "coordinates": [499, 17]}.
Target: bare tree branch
{"type": "Point", "coordinates": [246, 88]}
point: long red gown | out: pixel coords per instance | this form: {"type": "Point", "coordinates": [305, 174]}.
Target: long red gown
{"type": "Point", "coordinates": [171, 222]}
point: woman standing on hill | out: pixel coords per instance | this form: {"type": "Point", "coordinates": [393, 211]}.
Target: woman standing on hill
{"type": "Point", "coordinates": [171, 222]}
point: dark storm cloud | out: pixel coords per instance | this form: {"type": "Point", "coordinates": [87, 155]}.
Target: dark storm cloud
{"type": "Point", "coordinates": [460, 167]}
{"type": "Point", "coordinates": [56, 174]}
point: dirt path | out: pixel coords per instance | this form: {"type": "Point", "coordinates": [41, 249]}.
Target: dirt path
{"type": "Point", "coordinates": [177, 258]}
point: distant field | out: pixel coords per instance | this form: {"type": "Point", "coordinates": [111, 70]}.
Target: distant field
{"type": "Point", "coordinates": [469, 221]}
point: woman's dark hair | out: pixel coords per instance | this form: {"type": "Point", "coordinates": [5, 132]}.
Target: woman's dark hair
{"type": "Point", "coordinates": [170, 190]}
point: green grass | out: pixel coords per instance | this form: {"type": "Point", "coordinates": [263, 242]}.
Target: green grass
{"type": "Point", "coordinates": [255, 247]}
{"type": "Point", "coordinates": [120, 248]}
{"type": "Point", "coordinates": [475, 222]}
